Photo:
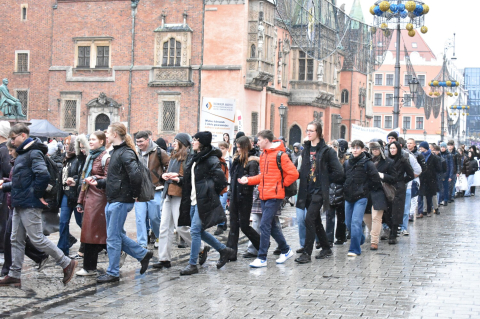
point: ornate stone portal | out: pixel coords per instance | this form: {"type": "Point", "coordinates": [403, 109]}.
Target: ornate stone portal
{"type": "Point", "coordinates": [102, 111]}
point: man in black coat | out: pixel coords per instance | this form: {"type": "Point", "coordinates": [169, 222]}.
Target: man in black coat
{"type": "Point", "coordinates": [428, 179]}
{"type": "Point", "coordinates": [4, 173]}
{"type": "Point", "coordinates": [457, 169]}
{"type": "Point", "coordinates": [123, 186]}
{"type": "Point", "coordinates": [30, 184]}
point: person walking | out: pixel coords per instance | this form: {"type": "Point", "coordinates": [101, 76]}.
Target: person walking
{"type": "Point", "coordinates": [404, 174]}
{"type": "Point", "coordinates": [415, 185]}
{"type": "Point", "coordinates": [271, 189]}
{"type": "Point", "coordinates": [337, 201]}
{"type": "Point", "coordinates": [245, 163]}
{"type": "Point", "coordinates": [68, 196]}
{"type": "Point", "coordinates": [156, 160]}
{"type": "Point", "coordinates": [361, 177]}
{"type": "Point", "coordinates": [200, 206]}
{"type": "Point", "coordinates": [457, 168]}
{"type": "Point", "coordinates": [5, 168]}
{"type": "Point", "coordinates": [30, 179]}
{"type": "Point", "coordinates": [172, 194]}
{"type": "Point", "coordinates": [428, 180]}
{"type": "Point", "coordinates": [448, 176]}
{"type": "Point", "coordinates": [470, 166]}
{"type": "Point", "coordinates": [123, 184]}
{"type": "Point", "coordinates": [224, 147]}
{"type": "Point", "coordinates": [377, 202]}
{"type": "Point", "coordinates": [91, 204]}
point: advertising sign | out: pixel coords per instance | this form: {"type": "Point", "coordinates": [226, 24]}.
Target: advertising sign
{"type": "Point", "coordinates": [218, 117]}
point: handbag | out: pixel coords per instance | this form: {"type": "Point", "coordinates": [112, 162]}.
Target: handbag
{"type": "Point", "coordinates": [389, 191]}
{"type": "Point", "coordinates": [462, 183]}
{"type": "Point", "coordinates": [476, 179]}
{"type": "Point", "coordinates": [414, 189]}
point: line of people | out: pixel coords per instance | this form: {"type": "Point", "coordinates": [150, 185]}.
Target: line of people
{"type": "Point", "coordinates": [381, 186]}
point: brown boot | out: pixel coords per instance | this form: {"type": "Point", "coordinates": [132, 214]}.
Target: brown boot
{"type": "Point", "coordinates": [10, 281]}
{"type": "Point", "coordinates": [374, 246]}
{"type": "Point", "coordinates": [69, 271]}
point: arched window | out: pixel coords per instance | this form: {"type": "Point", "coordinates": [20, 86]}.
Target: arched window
{"type": "Point", "coordinates": [344, 96]}
{"type": "Point", "coordinates": [172, 53]}
{"type": "Point", "coordinates": [252, 51]}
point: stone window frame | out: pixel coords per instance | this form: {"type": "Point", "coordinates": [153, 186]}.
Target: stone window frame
{"type": "Point", "coordinates": [377, 121]}
{"type": "Point", "coordinates": [345, 96]}
{"type": "Point", "coordinates": [23, 7]}
{"type": "Point", "coordinates": [307, 59]}
{"type": "Point", "coordinates": [93, 43]}
{"type": "Point", "coordinates": [170, 97]}
{"type": "Point", "coordinates": [17, 52]}
{"type": "Point", "coordinates": [184, 37]}
{"type": "Point", "coordinates": [389, 122]}
{"type": "Point", "coordinates": [417, 118]}
{"type": "Point", "coordinates": [28, 99]}
{"type": "Point", "coordinates": [64, 96]}
{"type": "Point", "coordinates": [255, 120]}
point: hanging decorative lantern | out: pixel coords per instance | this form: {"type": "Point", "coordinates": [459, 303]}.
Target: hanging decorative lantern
{"type": "Point", "coordinates": [424, 29]}
{"type": "Point", "coordinates": [410, 6]}
{"type": "Point", "coordinates": [411, 33]}
{"type": "Point", "coordinates": [468, 106]}
{"type": "Point", "coordinates": [457, 84]}
{"type": "Point", "coordinates": [383, 26]}
{"type": "Point", "coordinates": [409, 26]}
{"type": "Point", "coordinates": [393, 7]}
{"type": "Point", "coordinates": [400, 7]}
{"type": "Point", "coordinates": [449, 83]}
{"type": "Point", "coordinates": [372, 10]}
{"type": "Point", "coordinates": [384, 6]}
{"type": "Point", "coordinates": [456, 93]}
{"type": "Point", "coordinates": [463, 106]}
{"type": "Point", "coordinates": [403, 14]}
{"type": "Point", "coordinates": [386, 33]}
{"type": "Point", "coordinates": [426, 9]}
{"type": "Point", "coordinates": [435, 83]}
{"type": "Point", "coordinates": [468, 114]}
{"type": "Point", "coordinates": [431, 93]}
{"type": "Point", "coordinates": [373, 30]}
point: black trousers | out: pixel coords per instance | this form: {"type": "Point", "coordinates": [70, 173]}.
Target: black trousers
{"type": "Point", "coordinates": [240, 219]}
{"type": "Point", "coordinates": [313, 224]}
{"type": "Point", "coordinates": [341, 229]}
{"type": "Point", "coordinates": [30, 250]}
{"type": "Point", "coordinates": [90, 257]}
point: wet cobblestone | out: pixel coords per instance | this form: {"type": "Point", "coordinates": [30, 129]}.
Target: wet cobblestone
{"type": "Point", "coordinates": [433, 273]}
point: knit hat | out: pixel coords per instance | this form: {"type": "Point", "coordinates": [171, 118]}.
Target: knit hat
{"type": "Point", "coordinates": [342, 147]}
{"type": "Point", "coordinates": [425, 145]}
{"type": "Point", "coordinates": [184, 138]}
{"type": "Point", "coordinates": [161, 143]}
{"type": "Point", "coordinates": [4, 128]}
{"type": "Point", "coordinates": [443, 144]}
{"type": "Point", "coordinates": [239, 134]}
{"type": "Point", "coordinates": [451, 142]}
{"type": "Point", "coordinates": [393, 134]}
{"type": "Point", "coordinates": [205, 138]}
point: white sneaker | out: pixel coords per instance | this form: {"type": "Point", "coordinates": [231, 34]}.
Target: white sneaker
{"type": "Point", "coordinates": [123, 256]}
{"type": "Point", "coordinates": [284, 257]}
{"type": "Point", "coordinates": [404, 233]}
{"type": "Point", "coordinates": [156, 243]}
{"type": "Point", "coordinates": [351, 254]}
{"type": "Point", "coordinates": [84, 272]}
{"type": "Point", "coordinates": [258, 263]}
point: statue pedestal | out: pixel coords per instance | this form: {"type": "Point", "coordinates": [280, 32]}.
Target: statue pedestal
{"type": "Point", "coordinates": [16, 121]}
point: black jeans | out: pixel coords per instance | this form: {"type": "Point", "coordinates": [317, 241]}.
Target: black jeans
{"type": "Point", "coordinates": [313, 223]}
{"type": "Point", "coordinates": [340, 232]}
{"type": "Point", "coordinates": [240, 219]}
{"type": "Point", "coordinates": [90, 257]}
{"type": "Point", "coordinates": [30, 251]}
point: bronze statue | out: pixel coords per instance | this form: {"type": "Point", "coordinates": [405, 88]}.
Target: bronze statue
{"type": "Point", "coordinates": [10, 106]}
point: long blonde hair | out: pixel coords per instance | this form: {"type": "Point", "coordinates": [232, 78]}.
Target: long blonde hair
{"type": "Point", "coordinates": [121, 130]}
{"type": "Point", "coordinates": [242, 151]}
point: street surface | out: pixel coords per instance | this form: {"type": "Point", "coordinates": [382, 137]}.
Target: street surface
{"type": "Point", "coordinates": [433, 273]}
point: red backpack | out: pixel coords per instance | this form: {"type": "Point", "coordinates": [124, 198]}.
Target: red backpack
{"type": "Point", "coordinates": [223, 163]}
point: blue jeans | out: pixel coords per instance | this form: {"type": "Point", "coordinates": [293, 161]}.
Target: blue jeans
{"type": "Point", "coordinates": [445, 191]}
{"type": "Point", "coordinates": [406, 213]}
{"type": "Point", "coordinates": [421, 203]}
{"type": "Point", "coordinates": [470, 182]}
{"type": "Point", "coordinates": [223, 201]}
{"type": "Point", "coordinates": [65, 215]}
{"type": "Point", "coordinates": [268, 227]}
{"type": "Point", "coordinates": [151, 210]}
{"type": "Point", "coordinates": [354, 212]}
{"type": "Point", "coordinates": [117, 239]}
{"type": "Point", "coordinates": [302, 230]}
{"type": "Point", "coordinates": [452, 186]}
{"type": "Point", "coordinates": [198, 234]}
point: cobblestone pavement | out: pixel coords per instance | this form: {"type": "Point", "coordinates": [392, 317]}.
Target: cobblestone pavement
{"type": "Point", "coordinates": [432, 273]}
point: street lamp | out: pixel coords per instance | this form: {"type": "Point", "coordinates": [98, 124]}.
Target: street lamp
{"type": "Point", "coordinates": [413, 85]}
{"type": "Point", "coordinates": [450, 125]}
{"type": "Point", "coordinates": [404, 133]}
{"type": "Point", "coordinates": [424, 135]}
{"type": "Point", "coordinates": [281, 110]}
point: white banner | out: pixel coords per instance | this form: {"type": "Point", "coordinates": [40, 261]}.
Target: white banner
{"type": "Point", "coordinates": [218, 117]}
{"type": "Point", "coordinates": [367, 134]}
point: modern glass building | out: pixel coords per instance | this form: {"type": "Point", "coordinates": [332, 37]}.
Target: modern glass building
{"type": "Point", "coordinates": [472, 85]}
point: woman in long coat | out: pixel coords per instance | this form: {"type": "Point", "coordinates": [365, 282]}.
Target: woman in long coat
{"type": "Point", "coordinates": [92, 202]}
{"type": "Point", "coordinates": [377, 201]}
{"type": "Point", "coordinates": [404, 175]}
{"type": "Point", "coordinates": [428, 180]}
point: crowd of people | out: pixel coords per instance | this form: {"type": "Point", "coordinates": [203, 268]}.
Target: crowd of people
{"type": "Point", "coordinates": [187, 188]}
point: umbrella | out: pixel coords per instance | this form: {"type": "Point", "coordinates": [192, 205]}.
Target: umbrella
{"type": "Point", "coordinates": [44, 128]}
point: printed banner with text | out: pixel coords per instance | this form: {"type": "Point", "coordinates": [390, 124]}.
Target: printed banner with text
{"type": "Point", "coordinates": [218, 117]}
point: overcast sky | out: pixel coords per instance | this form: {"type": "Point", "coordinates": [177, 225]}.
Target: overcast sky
{"type": "Point", "coordinates": [445, 18]}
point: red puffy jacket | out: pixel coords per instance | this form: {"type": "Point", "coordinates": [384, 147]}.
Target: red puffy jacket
{"type": "Point", "coordinates": [269, 180]}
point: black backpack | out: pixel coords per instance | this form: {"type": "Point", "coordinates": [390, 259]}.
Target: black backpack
{"type": "Point", "coordinates": [289, 190]}
{"type": "Point", "coordinates": [54, 183]}
{"type": "Point", "coordinates": [147, 189]}
{"type": "Point", "coordinates": [443, 162]}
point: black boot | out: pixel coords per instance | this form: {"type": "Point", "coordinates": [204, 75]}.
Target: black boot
{"type": "Point", "coordinates": [162, 264]}
{"type": "Point", "coordinates": [189, 270]}
{"type": "Point", "coordinates": [304, 258]}
{"type": "Point", "coordinates": [225, 255]}
{"type": "Point", "coordinates": [393, 235]}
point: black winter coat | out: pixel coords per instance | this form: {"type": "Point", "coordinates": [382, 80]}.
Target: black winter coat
{"type": "Point", "coordinates": [361, 177]}
{"type": "Point", "coordinates": [470, 166]}
{"type": "Point", "coordinates": [209, 183]}
{"type": "Point", "coordinates": [428, 179]}
{"type": "Point", "coordinates": [377, 198]}
{"type": "Point", "coordinates": [404, 174]}
{"type": "Point", "coordinates": [123, 180]}
{"type": "Point", "coordinates": [30, 175]}
{"type": "Point", "coordinates": [329, 170]}
{"type": "Point", "coordinates": [72, 171]}
{"type": "Point", "coordinates": [457, 161]}
{"type": "Point", "coordinates": [239, 192]}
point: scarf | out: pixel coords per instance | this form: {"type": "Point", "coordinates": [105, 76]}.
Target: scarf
{"type": "Point", "coordinates": [90, 159]}
{"type": "Point", "coordinates": [199, 155]}
{"type": "Point", "coordinates": [376, 159]}
{"type": "Point", "coordinates": [354, 160]}
{"type": "Point", "coordinates": [427, 155]}
{"type": "Point", "coordinates": [20, 148]}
